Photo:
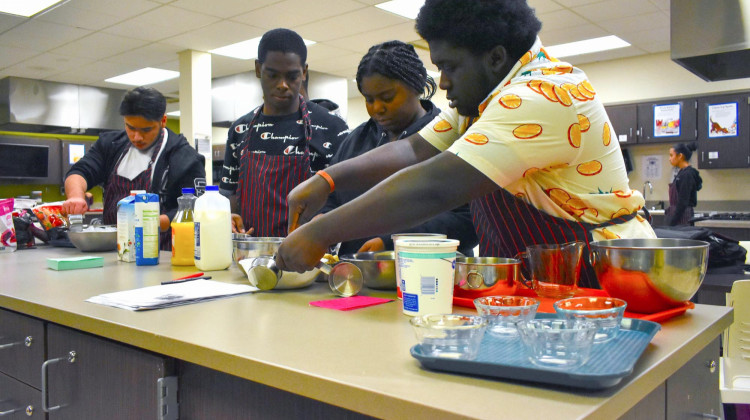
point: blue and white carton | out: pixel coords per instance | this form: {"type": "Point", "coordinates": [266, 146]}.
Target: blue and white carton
{"type": "Point", "coordinates": [146, 229]}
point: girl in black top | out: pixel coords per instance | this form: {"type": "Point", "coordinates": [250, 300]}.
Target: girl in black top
{"type": "Point", "coordinates": [683, 190]}
{"type": "Point", "coordinates": [397, 92]}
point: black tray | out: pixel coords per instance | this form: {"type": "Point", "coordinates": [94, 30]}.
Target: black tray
{"type": "Point", "coordinates": [501, 358]}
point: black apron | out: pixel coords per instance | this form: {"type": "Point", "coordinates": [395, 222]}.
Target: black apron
{"type": "Point", "coordinates": [506, 224]}
{"type": "Point", "coordinates": [679, 219]}
{"type": "Point", "coordinates": [265, 181]}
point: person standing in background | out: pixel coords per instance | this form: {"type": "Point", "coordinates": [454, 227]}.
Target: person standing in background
{"type": "Point", "coordinates": [279, 144]}
{"type": "Point", "coordinates": [392, 78]}
{"type": "Point", "coordinates": [145, 156]}
{"type": "Point", "coordinates": [683, 190]}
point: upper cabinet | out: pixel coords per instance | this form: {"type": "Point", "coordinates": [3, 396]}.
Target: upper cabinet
{"type": "Point", "coordinates": [723, 137]}
{"type": "Point", "coordinates": [670, 121]}
{"type": "Point", "coordinates": [624, 121]}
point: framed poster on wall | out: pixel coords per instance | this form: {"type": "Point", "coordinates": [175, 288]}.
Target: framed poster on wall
{"type": "Point", "coordinates": [667, 120]}
{"type": "Point", "coordinates": [722, 120]}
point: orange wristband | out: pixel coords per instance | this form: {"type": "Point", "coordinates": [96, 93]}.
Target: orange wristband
{"type": "Point", "coordinates": [328, 179]}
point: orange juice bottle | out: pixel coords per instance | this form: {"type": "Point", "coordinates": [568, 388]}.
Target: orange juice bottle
{"type": "Point", "coordinates": [183, 230]}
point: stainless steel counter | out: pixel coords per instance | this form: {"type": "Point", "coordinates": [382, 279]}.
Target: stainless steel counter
{"type": "Point", "coordinates": [358, 360]}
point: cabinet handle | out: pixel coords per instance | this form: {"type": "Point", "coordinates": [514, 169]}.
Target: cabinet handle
{"type": "Point", "coordinates": [9, 412]}
{"type": "Point", "coordinates": [29, 411]}
{"type": "Point", "coordinates": [71, 358]}
{"type": "Point", "coordinates": [26, 342]}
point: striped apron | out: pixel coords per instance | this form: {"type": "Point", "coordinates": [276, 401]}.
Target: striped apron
{"type": "Point", "coordinates": [265, 181]}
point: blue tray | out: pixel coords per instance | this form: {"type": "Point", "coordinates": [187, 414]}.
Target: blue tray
{"type": "Point", "coordinates": [609, 363]}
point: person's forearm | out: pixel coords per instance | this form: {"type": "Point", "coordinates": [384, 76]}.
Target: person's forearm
{"type": "Point", "coordinates": [365, 171]}
{"type": "Point", "coordinates": [75, 186]}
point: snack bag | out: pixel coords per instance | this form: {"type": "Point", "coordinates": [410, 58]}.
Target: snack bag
{"type": "Point", "coordinates": [7, 231]}
{"type": "Point", "coordinates": [50, 215]}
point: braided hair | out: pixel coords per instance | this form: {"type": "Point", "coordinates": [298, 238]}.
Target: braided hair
{"type": "Point", "coordinates": [398, 61]}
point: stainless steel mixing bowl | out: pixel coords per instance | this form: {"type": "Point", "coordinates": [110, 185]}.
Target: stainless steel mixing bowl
{"type": "Point", "coordinates": [95, 238]}
{"type": "Point", "coordinates": [246, 246]}
{"type": "Point", "coordinates": [378, 268]}
{"type": "Point", "coordinates": [486, 276]}
{"type": "Point", "coordinates": [650, 274]}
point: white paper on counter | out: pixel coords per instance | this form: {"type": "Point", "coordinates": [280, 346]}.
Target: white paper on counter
{"type": "Point", "coordinates": [168, 295]}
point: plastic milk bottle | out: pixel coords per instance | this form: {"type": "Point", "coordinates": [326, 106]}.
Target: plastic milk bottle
{"type": "Point", "coordinates": [126, 227]}
{"type": "Point", "coordinates": [213, 230]}
{"type": "Point", "coordinates": [183, 230]}
{"type": "Point", "coordinates": [146, 229]}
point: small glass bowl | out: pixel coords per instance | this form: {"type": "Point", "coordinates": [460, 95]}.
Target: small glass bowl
{"type": "Point", "coordinates": [557, 343]}
{"type": "Point", "coordinates": [451, 336]}
{"type": "Point", "coordinates": [502, 313]}
{"type": "Point", "coordinates": [605, 312]}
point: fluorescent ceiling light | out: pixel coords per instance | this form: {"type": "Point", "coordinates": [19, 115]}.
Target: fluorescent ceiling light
{"type": "Point", "coordinates": [586, 46]}
{"type": "Point", "coordinates": [146, 76]}
{"type": "Point", "coordinates": [25, 8]}
{"type": "Point", "coordinates": [406, 8]}
{"type": "Point", "coordinates": [174, 113]}
{"type": "Point", "coordinates": [244, 50]}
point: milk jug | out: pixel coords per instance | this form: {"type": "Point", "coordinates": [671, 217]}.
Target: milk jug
{"type": "Point", "coordinates": [146, 229]}
{"type": "Point", "coordinates": [183, 230]}
{"type": "Point", "coordinates": [126, 227]}
{"type": "Point", "coordinates": [213, 230]}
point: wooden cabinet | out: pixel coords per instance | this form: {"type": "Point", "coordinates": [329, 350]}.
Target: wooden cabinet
{"type": "Point", "coordinates": [723, 135]}
{"type": "Point", "coordinates": [624, 119]}
{"type": "Point", "coordinates": [668, 121]}
{"type": "Point", "coordinates": [83, 376]}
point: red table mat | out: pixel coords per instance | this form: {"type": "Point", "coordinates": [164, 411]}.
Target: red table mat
{"type": "Point", "coordinates": [545, 304]}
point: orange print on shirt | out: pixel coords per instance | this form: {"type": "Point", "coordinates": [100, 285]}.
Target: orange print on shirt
{"type": "Point", "coordinates": [620, 213]}
{"type": "Point", "coordinates": [563, 96]}
{"type": "Point", "coordinates": [574, 92]}
{"type": "Point", "coordinates": [548, 90]}
{"type": "Point", "coordinates": [527, 131]}
{"type": "Point", "coordinates": [442, 126]}
{"type": "Point", "coordinates": [609, 235]}
{"type": "Point", "coordinates": [589, 168]}
{"type": "Point", "coordinates": [584, 122]}
{"type": "Point", "coordinates": [535, 85]}
{"type": "Point", "coordinates": [510, 101]}
{"type": "Point", "coordinates": [574, 135]}
{"type": "Point", "coordinates": [587, 85]}
{"type": "Point", "coordinates": [558, 166]}
{"type": "Point", "coordinates": [529, 172]}
{"type": "Point", "coordinates": [622, 194]}
{"type": "Point", "coordinates": [639, 218]}
{"type": "Point", "coordinates": [571, 205]}
{"type": "Point", "coordinates": [476, 138]}
{"type": "Point", "coordinates": [585, 92]}
{"type": "Point", "coordinates": [607, 134]}
{"type": "Point", "coordinates": [526, 58]}
{"type": "Point", "coordinates": [521, 196]}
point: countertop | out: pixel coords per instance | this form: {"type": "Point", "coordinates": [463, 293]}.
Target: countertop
{"type": "Point", "coordinates": [358, 360]}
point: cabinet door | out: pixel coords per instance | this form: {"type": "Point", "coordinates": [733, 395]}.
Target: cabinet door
{"type": "Point", "coordinates": [669, 121]}
{"type": "Point", "coordinates": [694, 389]}
{"type": "Point", "coordinates": [723, 135]}
{"type": "Point", "coordinates": [624, 120]}
{"type": "Point", "coordinates": [18, 400]}
{"type": "Point", "coordinates": [107, 380]}
{"type": "Point", "coordinates": [21, 347]}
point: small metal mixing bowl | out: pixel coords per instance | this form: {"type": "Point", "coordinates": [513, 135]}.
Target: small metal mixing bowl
{"type": "Point", "coordinates": [95, 238]}
{"type": "Point", "coordinates": [378, 268]}
{"type": "Point", "coordinates": [247, 246]}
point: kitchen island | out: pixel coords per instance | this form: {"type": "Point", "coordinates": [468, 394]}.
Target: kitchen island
{"type": "Point", "coordinates": [272, 352]}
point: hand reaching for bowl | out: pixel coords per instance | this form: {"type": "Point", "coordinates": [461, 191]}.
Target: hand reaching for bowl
{"type": "Point", "coordinates": [373, 245]}
{"type": "Point", "coordinates": [305, 200]}
{"type": "Point", "coordinates": [238, 226]}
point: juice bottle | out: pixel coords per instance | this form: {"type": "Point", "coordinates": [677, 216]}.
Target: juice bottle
{"type": "Point", "coordinates": [213, 230]}
{"type": "Point", "coordinates": [183, 231]}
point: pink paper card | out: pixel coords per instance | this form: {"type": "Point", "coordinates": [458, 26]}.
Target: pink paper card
{"type": "Point", "coordinates": [349, 303]}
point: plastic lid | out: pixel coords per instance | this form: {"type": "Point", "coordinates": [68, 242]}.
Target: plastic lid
{"type": "Point", "coordinates": [212, 188]}
{"type": "Point", "coordinates": [188, 190]}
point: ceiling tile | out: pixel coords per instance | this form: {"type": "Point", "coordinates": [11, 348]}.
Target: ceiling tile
{"type": "Point", "coordinates": [576, 3]}
{"type": "Point", "coordinates": [631, 24]}
{"type": "Point", "coordinates": [322, 52]}
{"type": "Point", "coordinates": [92, 74]}
{"type": "Point", "coordinates": [652, 41]}
{"type": "Point", "coordinates": [604, 55]}
{"type": "Point", "coordinates": [163, 22]}
{"type": "Point", "coordinates": [215, 35]}
{"type": "Point", "coordinates": [347, 62]}
{"type": "Point", "coordinates": [45, 65]}
{"type": "Point", "coordinates": [121, 9]}
{"type": "Point", "coordinates": [577, 33]}
{"type": "Point", "coordinates": [363, 41]}
{"type": "Point", "coordinates": [295, 13]}
{"type": "Point", "coordinates": [544, 6]}
{"type": "Point", "coordinates": [561, 19]}
{"type": "Point", "coordinates": [223, 8]}
{"type": "Point", "coordinates": [613, 9]}
{"type": "Point", "coordinates": [12, 55]}
{"type": "Point", "coordinates": [226, 66]}
{"type": "Point", "coordinates": [38, 35]}
{"type": "Point", "coordinates": [69, 14]}
{"type": "Point", "coordinates": [151, 55]}
{"type": "Point", "coordinates": [357, 22]}
{"type": "Point", "coordinates": [9, 21]}
{"type": "Point", "coordinates": [98, 45]}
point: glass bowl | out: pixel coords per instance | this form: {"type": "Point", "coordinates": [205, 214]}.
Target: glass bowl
{"type": "Point", "coordinates": [451, 336]}
{"type": "Point", "coordinates": [605, 312]}
{"type": "Point", "coordinates": [557, 343]}
{"type": "Point", "coordinates": [502, 313]}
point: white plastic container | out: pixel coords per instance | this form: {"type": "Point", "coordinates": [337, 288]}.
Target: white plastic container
{"type": "Point", "coordinates": [126, 227]}
{"type": "Point", "coordinates": [427, 269]}
{"type": "Point", "coordinates": [146, 229]}
{"type": "Point", "coordinates": [213, 230]}
{"type": "Point", "coordinates": [423, 236]}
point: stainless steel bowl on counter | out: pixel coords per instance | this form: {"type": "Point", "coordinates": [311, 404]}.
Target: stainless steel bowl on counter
{"type": "Point", "coordinates": [247, 246]}
{"type": "Point", "coordinates": [486, 276]}
{"type": "Point", "coordinates": [651, 275]}
{"type": "Point", "coordinates": [378, 268]}
{"type": "Point", "coordinates": [94, 238]}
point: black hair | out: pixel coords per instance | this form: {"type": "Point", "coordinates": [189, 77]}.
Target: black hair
{"type": "Point", "coordinates": [398, 61]}
{"type": "Point", "coordinates": [480, 25]}
{"type": "Point", "coordinates": [282, 40]}
{"type": "Point", "coordinates": [144, 102]}
{"type": "Point", "coordinates": [686, 149]}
